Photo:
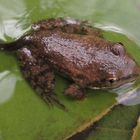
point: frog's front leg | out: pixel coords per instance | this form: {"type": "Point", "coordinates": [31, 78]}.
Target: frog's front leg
{"type": "Point", "coordinates": [39, 75]}
{"type": "Point", "coordinates": [74, 91]}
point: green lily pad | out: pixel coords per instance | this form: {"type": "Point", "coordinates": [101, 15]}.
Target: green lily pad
{"type": "Point", "coordinates": [136, 131]}
{"type": "Point", "coordinates": [23, 115]}
{"type": "Point", "coordinates": [117, 124]}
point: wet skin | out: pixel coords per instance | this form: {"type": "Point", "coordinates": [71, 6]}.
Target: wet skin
{"type": "Point", "coordinates": [75, 50]}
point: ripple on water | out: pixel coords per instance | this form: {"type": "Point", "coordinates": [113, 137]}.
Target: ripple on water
{"type": "Point", "coordinates": [7, 85]}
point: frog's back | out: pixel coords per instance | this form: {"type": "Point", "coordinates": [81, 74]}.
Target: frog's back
{"type": "Point", "coordinates": [86, 59]}
{"type": "Point", "coordinates": [78, 49]}
{"type": "Point", "coordinates": [76, 56]}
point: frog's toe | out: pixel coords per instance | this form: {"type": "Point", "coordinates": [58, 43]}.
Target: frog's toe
{"type": "Point", "coordinates": [74, 91]}
{"type": "Point", "coordinates": [51, 99]}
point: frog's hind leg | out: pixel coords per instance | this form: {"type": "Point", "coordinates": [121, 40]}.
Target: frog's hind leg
{"type": "Point", "coordinates": [48, 24]}
{"type": "Point", "coordinates": [12, 46]}
{"type": "Point", "coordinates": [81, 27]}
{"type": "Point", "coordinates": [89, 30]}
{"type": "Point", "coordinates": [24, 40]}
{"type": "Point", "coordinates": [67, 25]}
{"type": "Point", "coordinates": [74, 91]}
{"type": "Point", "coordinates": [39, 75]}
{"type": "Point", "coordinates": [53, 23]}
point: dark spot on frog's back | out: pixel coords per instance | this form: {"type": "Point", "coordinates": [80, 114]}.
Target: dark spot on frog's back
{"type": "Point", "coordinates": [74, 49]}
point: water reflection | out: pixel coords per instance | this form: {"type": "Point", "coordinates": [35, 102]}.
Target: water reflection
{"type": "Point", "coordinates": [8, 22]}
{"type": "Point", "coordinates": [129, 94]}
{"type": "Point", "coordinates": [114, 28]}
{"type": "Point", "coordinates": [132, 97]}
{"type": "Point", "coordinates": [7, 86]}
{"type": "Point", "coordinates": [9, 30]}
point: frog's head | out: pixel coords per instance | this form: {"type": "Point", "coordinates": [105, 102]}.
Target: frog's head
{"type": "Point", "coordinates": [116, 67]}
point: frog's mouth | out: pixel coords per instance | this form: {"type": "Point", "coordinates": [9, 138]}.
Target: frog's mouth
{"type": "Point", "coordinates": [106, 84]}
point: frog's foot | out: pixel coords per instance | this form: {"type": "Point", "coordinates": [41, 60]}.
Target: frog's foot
{"type": "Point", "coordinates": [50, 98]}
{"type": "Point", "coordinates": [67, 25]}
{"type": "Point", "coordinates": [39, 75]}
{"type": "Point", "coordinates": [12, 46]}
{"type": "Point", "coordinates": [74, 91]}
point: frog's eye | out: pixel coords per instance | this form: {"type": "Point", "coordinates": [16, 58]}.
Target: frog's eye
{"type": "Point", "coordinates": [112, 80]}
{"type": "Point", "coordinates": [118, 49]}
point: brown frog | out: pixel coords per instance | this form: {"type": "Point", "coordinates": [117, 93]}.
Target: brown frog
{"type": "Point", "coordinates": [77, 51]}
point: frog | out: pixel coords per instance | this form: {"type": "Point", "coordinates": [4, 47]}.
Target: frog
{"type": "Point", "coordinates": [75, 50]}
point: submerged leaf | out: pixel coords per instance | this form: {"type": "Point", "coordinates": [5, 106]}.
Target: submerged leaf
{"type": "Point", "coordinates": [117, 124]}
